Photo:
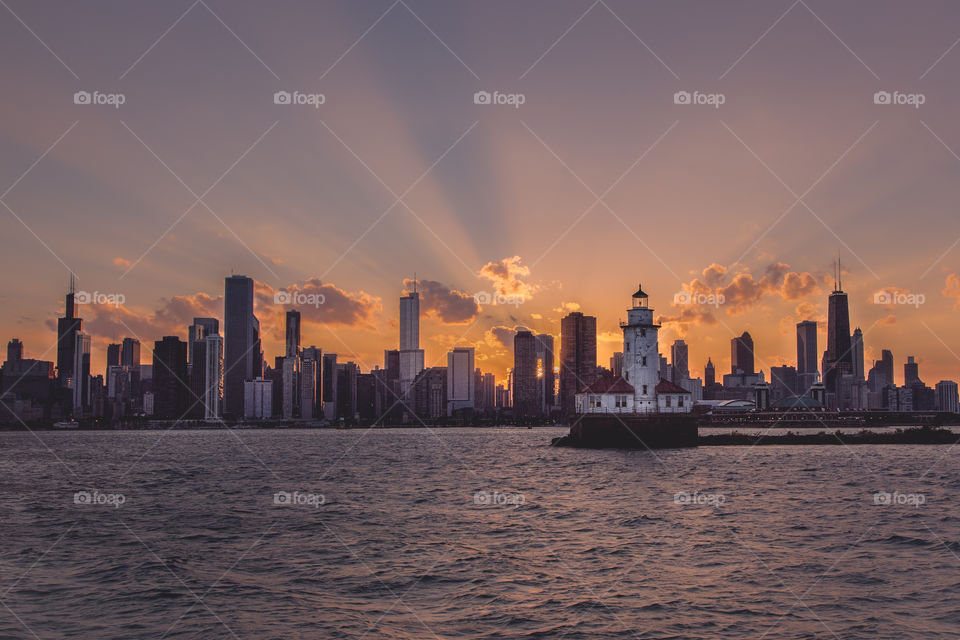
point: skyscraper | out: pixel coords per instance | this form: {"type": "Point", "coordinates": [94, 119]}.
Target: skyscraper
{"type": "Point", "coordinates": [67, 328]}
{"type": "Point", "coordinates": [293, 333]}
{"type": "Point", "coordinates": [578, 357]}
{"type": "Point", "coordinates": [170, 383]}
{"type": "Point", "coordinates": [311, 382]}
{"type": "Point", "coordinates": [213, 376]}
{"type": "Point", "coordinates": [545, 375]}
{"type": "Point", "coordinates": [680, 359]}
{"type": "Point", "coordinates": [130, 353]}
{"type": "Point", "coordinates": [911, 372]}
{"type": "Point", "coordinates": [330, 391]}
{"type": "Point", "coordinates": [947, 398]}
{"type": "Point", "coordinates": [113, 354]}
{"type": "Point", "coordinates": [461, 381]}
{"type": "Point", "coordinates": [807, 355]}
{"type": "Point", "coordinates": [200, 329]}
{"type": "Point", "coordinates": [526, 396]}
{"type": "Point", "coordinates": [616, 364]}
{"type": "Point", "coordinates": [856, 344]}
{"type": "Point", "coordinates": [881, 374]}
{"type": "Point", "coordinates": [80, 377]}
{"type": "Point", "coordinates": [838, 359]}
{"type": "Point", "coordinates": [241, 342]}
{"type": "Point", "coordinates": [411, 355]}
{"type": "Point", "coordinates": [741, 355]}
{"type": "Point", "coordinates": [709, 374]}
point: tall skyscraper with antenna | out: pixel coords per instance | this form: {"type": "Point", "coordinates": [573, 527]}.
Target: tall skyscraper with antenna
{"type": "Point", "coordinates": [67, 329]}
{"type": "Point", "coordinates": [411, 355]}
{"type": "Point", "coordinates": [838, 359]}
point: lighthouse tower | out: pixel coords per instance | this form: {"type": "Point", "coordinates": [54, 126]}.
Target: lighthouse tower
{"type": "Point", "coordinates": [641, 356]}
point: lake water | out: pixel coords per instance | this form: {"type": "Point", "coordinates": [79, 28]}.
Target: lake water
{"type": "Point", "coordinates": [471, 533]}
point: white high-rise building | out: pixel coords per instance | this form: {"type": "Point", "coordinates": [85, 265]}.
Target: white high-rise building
{"type": "Point", "coordinates": [81, 373]}
{"type": "Point", "coordinates": [257, 399]}
{"type": "Point", "coordinates": [461, 380]}
{"type": "Point", "coordinates": [213, 391]}
{"type": "Point", "coordinates": [410, 321]}
{"type": "Point", "coordinates": [411, 355]}
{"type": "Point", "coordinates": [641, 357]}
{"type": "Point", "coordinates": [947, 397]}
{"type": "Point", "coordinates": [857, 354]}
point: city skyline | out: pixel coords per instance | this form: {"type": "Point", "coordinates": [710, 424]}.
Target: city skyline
{"type": "Point", "coordinates": [799, 161]}
{"type": "Point", "coordinates": [408, 330]}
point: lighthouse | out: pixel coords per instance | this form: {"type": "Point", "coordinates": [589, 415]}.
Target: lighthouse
{"type": "Point", "coordinates": [641, 355]}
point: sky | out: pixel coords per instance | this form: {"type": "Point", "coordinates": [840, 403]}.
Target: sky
{"type": "Point", "coordinates": [593, 174]}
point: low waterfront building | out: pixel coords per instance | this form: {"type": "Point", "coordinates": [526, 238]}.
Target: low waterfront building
{"type": "Point", "coordinates": [606, 395]}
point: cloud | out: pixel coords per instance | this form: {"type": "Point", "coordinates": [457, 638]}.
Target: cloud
{"type": "Point", "coordinates": [173, 315]}
{"type": "Point", "coordinates": [440, 301]}
{"type": "Point", "coordinates": [688, 316]}
{"type": "Point", "coordinates": [799, 285]}
{"type": "Point", "coordinates": [507, 277]}
{"type": "Point", "coordinates": [737, 290]}
{"type": "Point", "coordinates": [502, 336]}
{"type": "Point", "coordinates": [889, 320]}
{"type": "Point", "coordinates": [122, 263]}
{"type": "Point", "coordinates": [171, 318]}
{"type": "Point", "coordinates": [322, 303]}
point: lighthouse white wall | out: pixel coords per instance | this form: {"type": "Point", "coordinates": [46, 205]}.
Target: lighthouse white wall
{"type": "Point", "coordinates": [641, 358]}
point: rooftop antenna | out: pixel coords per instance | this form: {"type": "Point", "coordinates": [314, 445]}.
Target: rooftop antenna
{"type": "Point", "coordinates": [73, 283]}
{"type": "Point", "coordinates": [414, 281]}
{"type": "Point", "coordinates": [839, 273]}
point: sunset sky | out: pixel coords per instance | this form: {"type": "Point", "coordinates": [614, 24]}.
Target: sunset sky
{"type": "Point", "coordinates": [596, 182]}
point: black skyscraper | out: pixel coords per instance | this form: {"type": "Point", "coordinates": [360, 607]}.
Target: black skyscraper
{"type": "Point", "coordinates": [578, 357]}
{"type": "Point", "coordinates": [807, 355]}
{"type": "Point", "coordinates": [130, 353]}
{"type": "Point", "coordinates": [741, 355]}
{"type": "Point", "coordinates": [67, 329]}
{"type": "Point", "coordinates": [838, 359]}
{"type": "Point", "coordinates": [241, 348]}
{"type": "Point", "coordinates": [171, 388]}
{"type": "Point", "coordinates": [526, 392]}
{"type": "Point", "coordinates": [113, 354]}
